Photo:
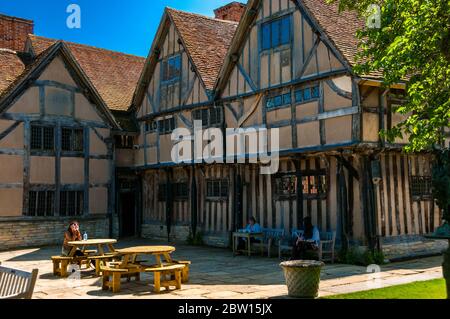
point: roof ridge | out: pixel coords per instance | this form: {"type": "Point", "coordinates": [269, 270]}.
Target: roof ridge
{"type": "Point", "coordinates": [203, 16]}
{"type": "Point", "coordinates": [16, 18]}
{"type": "Point", "coordinates": [90, 47]}
{"type": "Point", "coordinates": [6, 50]}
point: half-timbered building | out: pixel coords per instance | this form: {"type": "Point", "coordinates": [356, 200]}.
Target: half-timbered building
{"type": "Point", "coordinates": [65, 129]}
{"type": "Point", "coordinates": [287, 65]}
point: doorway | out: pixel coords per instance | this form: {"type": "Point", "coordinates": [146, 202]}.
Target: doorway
{"type": "Point", "coordinates": [128, 215]}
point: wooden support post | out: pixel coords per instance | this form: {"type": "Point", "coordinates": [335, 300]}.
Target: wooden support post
{"type": "Point", "coordinates": [116, 282]}
{"type": "Point", "coordinates": [157, 282]}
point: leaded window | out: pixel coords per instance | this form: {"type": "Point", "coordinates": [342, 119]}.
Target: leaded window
{"type": "Point", "coordinates": [42, 138]}
{"type": "Point", "coordinates": [171, 69]}
{"type": "Point", "coordinates": [41, 203]}
{"type": "Point", "coordinates": [217, 189]}
{"type": "Point", "coordinates": [421, 187]}
{"type": "Point", "coordinates": [307, 94]}
{"type": "Point", "coordinates": [210, 117]}
{"type": "Point", "coordinates": [71, 203]}
{"type": "Point", "coordinates": [276, 33]}
{"type": "Point", "coordinates": [72, 139]}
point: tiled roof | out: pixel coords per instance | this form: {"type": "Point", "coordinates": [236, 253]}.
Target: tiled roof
{"type": "Point", "coordinates": [114, 75]}
{"type": "Point", "coordinates": [340, 27]}
{"type": "Point", "coordinates": [207, 41]}
{"type": "Point", "coordinates": [11, 67]}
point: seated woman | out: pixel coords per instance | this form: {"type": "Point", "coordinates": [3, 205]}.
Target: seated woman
{"type": "Point", "coordinates": [309, 241]}
{"type": "Point", "coordinates": [252, 227]}
{"type": "Point", "coordinates": [72, 234]}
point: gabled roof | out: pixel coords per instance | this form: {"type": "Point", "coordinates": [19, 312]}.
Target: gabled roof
{"type": "Point", "coordinates": [11, 67]}
{"type": "Point", "coordinates": [113, 74]}
{"type": "Point", "coordinates": [32, 71]}
{"type": "Point", "coordinates": [207, 41]}
{"type": "Point", "coordinates": [338, 30]}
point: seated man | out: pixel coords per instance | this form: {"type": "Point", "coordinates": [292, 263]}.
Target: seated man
{"type": "Point", "coordinates": [309, 241]}
{"type": "Point", "coordinates": [252, 227]}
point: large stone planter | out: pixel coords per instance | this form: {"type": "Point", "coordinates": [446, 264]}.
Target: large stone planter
{"type": "Point", "coordinates": [302, 277]}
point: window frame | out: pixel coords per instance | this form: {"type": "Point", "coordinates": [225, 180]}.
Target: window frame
{"type": "Point", "coordinates": [308, 175]}
{"type": "Point", "coordinates": [78, 203]}
{"type": "Point", "coordinates": [268, 43]}
{"type": "Point", "coordinates": [73, 133]}
{"type": "Point", "coordinates": [165, 63]}
{"type": "Point", "coordinates": [208, 117]}
{"type": "Point", "coordinates": [32, 138]}
{"type": "Point", "coordinates": [34, 204]}
{"type": "Point", "coordinates": [219, 184]}
{"type": "Point", "coordinates": [417, 192]}
{"type": "Point", "coordinates": [312, 89]}
{"type": "Point", "coordinates": [281, 95]}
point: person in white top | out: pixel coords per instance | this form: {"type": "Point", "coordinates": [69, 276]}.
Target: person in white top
{"type": "Point", "coordinates": [308, 241]}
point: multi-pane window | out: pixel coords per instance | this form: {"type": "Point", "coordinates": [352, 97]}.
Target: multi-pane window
{"type": "Point", "coordinates": [307, 94]}
{"type": "Point", "coordinates": [180, 190]}
{"type": "Point", "coordinates": [151, 127]}
{"type": "Point", "coordinates": [71, 203]}
{"type": "Point", "coordinates": [314, 185]}
{"type": "Point", "coordinates": [166, 126]}
{"type": "Point", "coordinates": [276, 33]}
{"type": "Point", "coordinates": [41, 203]}
{"type": "Point", "coordinates": [217, 188]}
{"type": "Point", "coordinates": [279, 100]}
{"type": "Point", "coordinates": [209, 117]}
{"type": "Point", "coordinates": [124, 142]}
{"type": "Point", "coordinates": [421, 187]}
{"type": "Point", "coordinates": [42, 138]}
{"type": "Point", "coordinates": [171, 69]}
{"type": "Point", "coordinates": [72, 139]}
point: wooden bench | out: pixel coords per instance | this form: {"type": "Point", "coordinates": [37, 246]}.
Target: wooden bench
{"type": "Point", "coordinates": [161, 272]}
{"type": "Point", "coordinates": [60, 264]}
{"type": "Point", "coordinates": [111, 270]}
{"type": "Point", "coordinates": [17, 284]}
{"type": "Point", "coordinates": [326, 251]}
{"type": "Point", "coordinates": [99, 259]}
{"type": "Point", "coordinates": [185, 271]}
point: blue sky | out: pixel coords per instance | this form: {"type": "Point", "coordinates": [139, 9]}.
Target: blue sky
{"type": "Point", "coordinates": [121, 25]}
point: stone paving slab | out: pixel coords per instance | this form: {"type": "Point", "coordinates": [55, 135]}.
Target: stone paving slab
{"type": "Point", "coordinates": [215, 273]}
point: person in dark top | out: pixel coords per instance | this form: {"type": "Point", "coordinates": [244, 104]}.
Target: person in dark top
{"type": "Point", "coordinates": [308, 241]}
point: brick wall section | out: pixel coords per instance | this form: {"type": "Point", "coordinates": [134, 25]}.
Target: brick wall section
{"type": "Point", "coordinates": [231, 12]}
{"type": "Point", "coordinates": [416, 248]}
{"type": "Point", "coordinates": [13, 32]}
{"type": "Point", "coordinates": [21, 233]}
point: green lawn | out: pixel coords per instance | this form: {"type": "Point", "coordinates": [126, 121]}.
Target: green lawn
{"type": "Point", "coordinates": [433, 289]}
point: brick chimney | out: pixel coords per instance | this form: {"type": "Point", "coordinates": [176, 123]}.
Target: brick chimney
{"type": "Point", "coordinates": [231, 12]}
{"type": "Point", "coordinates": [14, 32]}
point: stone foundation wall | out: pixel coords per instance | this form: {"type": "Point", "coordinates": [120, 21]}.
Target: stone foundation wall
{"type": "Point", "coordinates": [40, 231]}
{"type": "Point", "coordinates": [407, 246]}
{"type": "Point", "coordinates": [180, 234]}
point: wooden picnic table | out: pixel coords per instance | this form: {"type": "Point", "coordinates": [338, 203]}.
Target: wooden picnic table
{"type": "Point", "coordinates": [98, 243]}
{"type": "Point", "coordinates": [247, 236]}
{"type": "Point", "coordinates": [130, 254]}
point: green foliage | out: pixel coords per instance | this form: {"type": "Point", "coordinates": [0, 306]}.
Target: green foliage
{"type": "Point", "coordinates": [196, 240]}
{"type": "Point", "coordinates": [354, 256]}
{"type": "Point", "coordinates": [412, 44]}
{"type": "Point", "coordinates": [441, 182]}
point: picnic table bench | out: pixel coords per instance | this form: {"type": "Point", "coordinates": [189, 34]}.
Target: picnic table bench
{"type": "Point", "coordinates": [61, 263]}
{"type": "Point", "coordinates": [166, 273]}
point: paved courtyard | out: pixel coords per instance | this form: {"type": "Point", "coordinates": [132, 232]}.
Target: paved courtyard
{"type": "Point", "coordinates": [215, 273]}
